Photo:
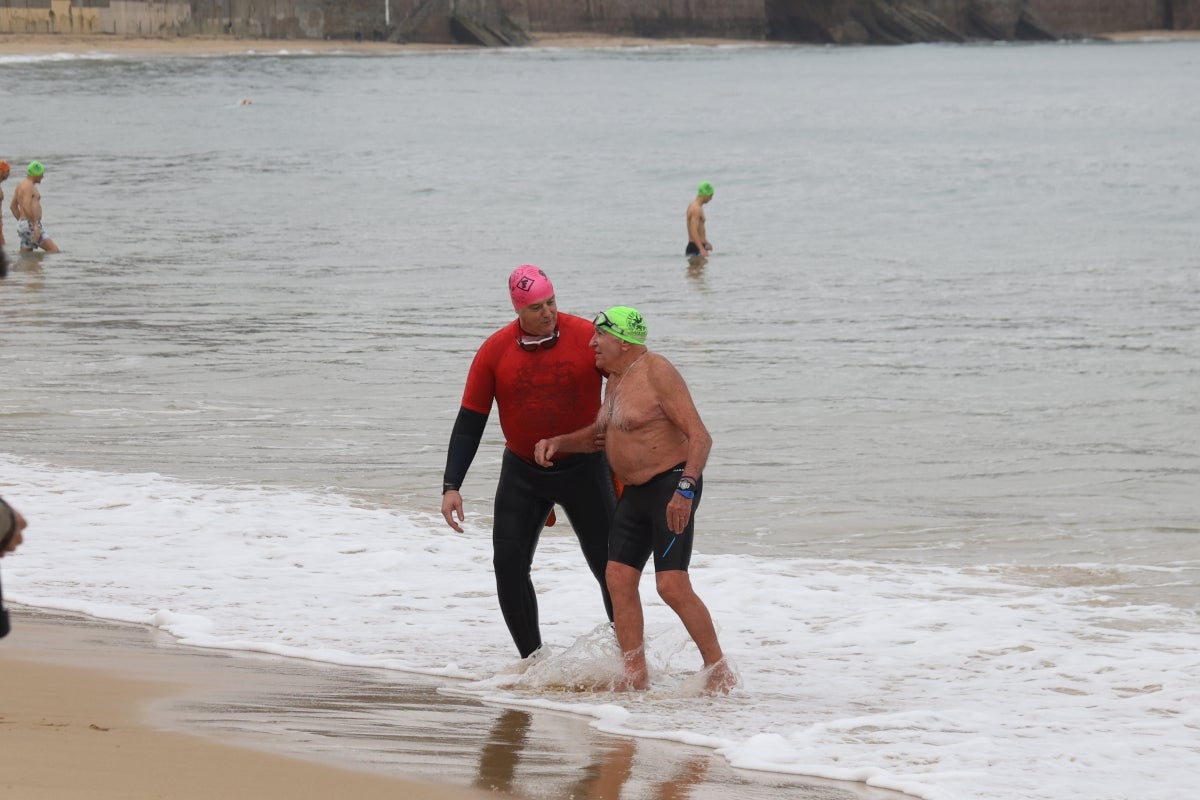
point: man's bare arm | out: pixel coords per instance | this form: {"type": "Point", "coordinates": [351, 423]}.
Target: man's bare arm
{"type": "Point", "coordinates": [676, 403]}
{"type": "Point", "coordinates": [588, 439]}
{"type": "Point", "coordinates": [678, 407]}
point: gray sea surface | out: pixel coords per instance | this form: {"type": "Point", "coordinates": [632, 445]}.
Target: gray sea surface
{"type": "Point", "coordinates": [953, 314]}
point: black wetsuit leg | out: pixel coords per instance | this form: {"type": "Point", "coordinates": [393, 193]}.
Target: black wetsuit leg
{"type": "Point", "coordinates": [525, 494]}
{"type": "Point", "coordinates": [520, 515]}
{"type": "Point", "coordinates": [584, 488]}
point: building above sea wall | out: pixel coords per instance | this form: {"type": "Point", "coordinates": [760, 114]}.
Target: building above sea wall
{"type": "Point", "coordinates": [514, 22]}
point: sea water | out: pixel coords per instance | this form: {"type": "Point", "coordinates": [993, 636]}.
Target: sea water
{"type": "Point", "coordinates": [947, 346]}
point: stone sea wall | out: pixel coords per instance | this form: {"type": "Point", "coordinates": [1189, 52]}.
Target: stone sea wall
{"type": "Point", "coordinates": [500, 22]}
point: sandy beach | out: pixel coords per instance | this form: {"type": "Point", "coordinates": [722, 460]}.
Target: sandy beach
{"type": "Point", "coordinates": [200, 46]}
{"type": "Point", "coordinates": [32, 44]}
{"type": "Point", "coordinates": [78, 719]}
{"type": "Point", "coordinates": [94, 709]}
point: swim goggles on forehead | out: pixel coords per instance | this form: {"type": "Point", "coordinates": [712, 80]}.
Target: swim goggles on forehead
{"type": "Point", "coordinates": [602, 321]}
{"type": "Point", "coordinates": [532, 343]}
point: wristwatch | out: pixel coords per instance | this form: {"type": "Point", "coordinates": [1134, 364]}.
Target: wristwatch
{"type": "Point", "coordinates": [687, 488]}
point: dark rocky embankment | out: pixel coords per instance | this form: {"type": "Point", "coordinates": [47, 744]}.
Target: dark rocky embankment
{"type": "Point", "coordinates": [815, 21]}
{"type": "Point", "coordinates": [901, 21]}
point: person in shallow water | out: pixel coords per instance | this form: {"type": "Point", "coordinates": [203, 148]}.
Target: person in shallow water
{"type": "Point", "coordinates": [698, 244]}
{"type": "Point", "coordinates": [658, 447]}
{"type": "Point", "coordinates": [542, 376]}
{"type": "Point", "coordinates": [27, 208]}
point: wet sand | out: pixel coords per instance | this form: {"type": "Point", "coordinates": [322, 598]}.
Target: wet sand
{"type": "Point", "coordinates": [86, 712]}
{"type": "Point", "coordinates": [90, 709]}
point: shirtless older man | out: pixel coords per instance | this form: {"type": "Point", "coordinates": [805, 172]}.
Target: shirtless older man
{"type": "Point", "coordinates": [27, 208]}
{"type": "Point", "coordinates": [657, 445]}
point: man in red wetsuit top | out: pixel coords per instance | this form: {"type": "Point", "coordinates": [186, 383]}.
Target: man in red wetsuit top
{"type": "Point", "coordinates": [542, 375]}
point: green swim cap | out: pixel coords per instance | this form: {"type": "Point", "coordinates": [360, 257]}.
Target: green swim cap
{"type": "Point", "coordinates": [705, 190]}
{"type": "Point", "coordinates": [36, 168]}
{"type": "Point", "coordinates": [624, 323]}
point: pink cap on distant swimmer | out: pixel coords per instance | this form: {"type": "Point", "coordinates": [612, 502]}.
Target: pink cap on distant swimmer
{"type": "Point", "coordinates": [528, 284]}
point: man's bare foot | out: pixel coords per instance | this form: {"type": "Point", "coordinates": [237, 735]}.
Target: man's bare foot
{"type": "Point", "coordinates": [629, 684]}
{"type": "Point", "coordinates": [636, 682]}
{"type": "Point", "coordinates": [637, 675]}
{"type": "Point", "coordinates": [719, 678]}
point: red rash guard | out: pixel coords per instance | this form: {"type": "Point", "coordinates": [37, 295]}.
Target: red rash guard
{"type": "Point", "coordinates": [540, 394]}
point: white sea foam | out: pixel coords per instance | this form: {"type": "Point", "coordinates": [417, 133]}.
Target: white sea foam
{"type": "Point", "coordinates": [938, 682]}
{"type": "Point", "coordinates": [39, 58]}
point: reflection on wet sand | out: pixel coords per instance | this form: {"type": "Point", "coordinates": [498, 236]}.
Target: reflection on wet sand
{"type": "Point", "coordinates": [499, 756]}
{"type": "Point", "coordinates": [604, 777]}
{"type": "Point", "coordinates": [364, 719]}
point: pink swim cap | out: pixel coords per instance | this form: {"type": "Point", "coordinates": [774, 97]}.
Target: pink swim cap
{"type": "Point", "coordinates": [528, 284]}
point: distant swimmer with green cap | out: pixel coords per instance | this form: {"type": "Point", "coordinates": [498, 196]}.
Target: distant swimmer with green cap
{"type": "Point", "coordinates": [27, 208]}
{"type": "Point", "coordinates": [698, 244]}
{"type": "Point", "coordinates": [657, 446]}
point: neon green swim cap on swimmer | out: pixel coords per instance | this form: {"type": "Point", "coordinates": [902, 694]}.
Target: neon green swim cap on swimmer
{"type": "Point", "coordinates": [36, 168]}
{"type": "Point", "coordinates": [624, 323]}
{"type": "Point", "coordinates": [705, 190]}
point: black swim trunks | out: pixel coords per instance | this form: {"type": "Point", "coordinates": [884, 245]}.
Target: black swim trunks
{"type": "Point", "coordinates": [691, 250]}
{"type": "Point", "coordinates": [640, 525]}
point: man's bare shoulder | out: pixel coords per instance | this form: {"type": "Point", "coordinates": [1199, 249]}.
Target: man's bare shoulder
{"type": "Point", "coordinates": [661, 373]}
